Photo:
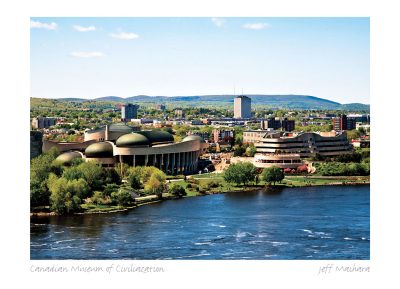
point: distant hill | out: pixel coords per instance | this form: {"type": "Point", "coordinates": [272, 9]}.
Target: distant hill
{"type": "Point", "coordinates": [276, 101]}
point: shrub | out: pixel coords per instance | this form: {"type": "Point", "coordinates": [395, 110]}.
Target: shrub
{"type": "Point", "coordinates": [109, 188]}
{"type": "Point", "coordinates": [177, 190]}
{"type": "Point", "coordinates": [121, 197]}
{"type": "Point", "coordinates": [97, 198]}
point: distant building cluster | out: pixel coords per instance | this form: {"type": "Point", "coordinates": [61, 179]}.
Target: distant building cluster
{"type": "Point", "coordinates": [43, 122]}
{"type": "Point", "coordinates": [161, 107]}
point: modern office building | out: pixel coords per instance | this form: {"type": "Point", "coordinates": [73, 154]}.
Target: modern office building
{"type": "Point", "coordinates": [304, 144]}
{"type": "Point", "coordinates": [363, 118]}
{"type": "Point", "coordinates": [129, 111]}
{"type": "Point", "coordinates": [287, 124]}
{"type": "Point", "coordinates": [242, 107]}
{"type": "Point", "coordinates": [43, 122]}
{"type": "Point", "coordinates": [270, 123]}
{"type": "Point", "coordinates": [277, 123]}
{"type": "Point", "coordinates": [253, 136]}
{"type": "Point", "coordinates": [343, 122]}
{"type": "Point", "coordinates": [278, 149]}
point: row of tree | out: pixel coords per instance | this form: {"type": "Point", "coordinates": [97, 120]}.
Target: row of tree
{"type": "Point", "coordinates": [245, 172]}
{"type": "Point", "coordinates": [343, 169]}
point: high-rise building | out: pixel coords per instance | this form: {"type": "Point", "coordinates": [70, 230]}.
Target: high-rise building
{"type": "Point", "coordinates": [129, 111]}
{"type": "Point", "coordinates": [242, 107]}
{"type": "Point", "coordinates": [270, 123]}
{"type": "Point", "coordinates": [287, 124]}
{"type": "Point", "coordinates": [43, 122]}
{"type": "Point", "coordinates": [342, 122]}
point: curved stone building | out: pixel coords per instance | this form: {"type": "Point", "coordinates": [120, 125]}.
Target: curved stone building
{"type": "Point", "coordinates": [142, 148]}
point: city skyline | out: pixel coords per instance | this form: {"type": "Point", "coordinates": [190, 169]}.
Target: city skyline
{"type": "Point", "coordinates": [96, 57]}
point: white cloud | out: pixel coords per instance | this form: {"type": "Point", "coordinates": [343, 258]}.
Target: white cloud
{"type": "Point", "coordinates": [87, 54]}
{"type": "Point", "coordinates": [256, 26]}
{"type": "Point", "coordinates": [48, 26]}
{"type": "Point", "coordinates": [219, 22]}
{"type": "Point", "coordinates": [84, 29]}
{"type": "Point", "coordinates": [124, 35]}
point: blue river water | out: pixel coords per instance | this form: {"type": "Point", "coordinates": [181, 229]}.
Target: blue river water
{"type": "Point", "coordinates": [310, 223]}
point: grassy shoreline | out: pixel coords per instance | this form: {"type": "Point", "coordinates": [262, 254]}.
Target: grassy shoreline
{"type": "Point", "coordinates": [222, 188]}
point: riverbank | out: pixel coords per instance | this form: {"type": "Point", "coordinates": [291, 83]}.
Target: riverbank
{"type": "Point", "coordinates": [210, 184]}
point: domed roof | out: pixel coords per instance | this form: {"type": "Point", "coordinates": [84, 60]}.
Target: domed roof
{"type": "Point", "coordinates": [194, 137]}
{"type": "Point", "coordinates": [66, 158]}
{"type": "Point", "coordinates": [114, 127]}
{"type": "Point", "coordinates": [122, 127]}
{"type": "Point", "coordinates": [99, 150]}
{"type": "Point", "coordinates": [157, 136]}
{"type": "Point", "coordinates": [132, 139]}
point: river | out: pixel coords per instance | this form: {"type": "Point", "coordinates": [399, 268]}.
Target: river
{"type": "Point", "coordinates": [325, 222]}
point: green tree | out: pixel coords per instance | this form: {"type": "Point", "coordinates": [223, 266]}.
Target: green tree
{"type": "Point", "coordinates": [110, 188]}
{"type": "Point", "coordinates": [134, 178]}
{"type": "Point", "coordinates": [154, 186]}
{"type": "Point", "coordinates": [240, 173]}
{"type": "Point", "coordinates": [122, 170]}
{"type": "Point", "coordinates": [272, 175]}
{"type": "Point", "coordinates": [239, 150]}
{"type": "Point", "coordinates": [66, 195]}
{"type": "Point", "coordinates": [353, 134]}
{"type": "Point", "coordinates": [251, 150]}
{"type": "Point", "coordinates": [72, 173]}
{"type": "Point", "coordinates": [92, 173]}
{"type": "Point", "coordinates": [110, 176]}
{"type": "Point", "coordinates": [40, 169]}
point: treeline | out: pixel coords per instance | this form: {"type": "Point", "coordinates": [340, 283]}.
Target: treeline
{"type": "Point", "coordinates": [342, 169]}
{"type": "Point", "coordinates": [245, 172]}
{"type": "Point", "coordinates": [66, 188]}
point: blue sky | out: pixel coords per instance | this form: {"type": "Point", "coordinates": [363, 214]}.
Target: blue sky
{"type": "Point", "coordinates": [95, 57]}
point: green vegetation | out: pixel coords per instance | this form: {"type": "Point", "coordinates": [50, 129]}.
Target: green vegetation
{"type": "Point", "coordinates": [342, 169]}
{"type": "Point", "coordinates": [40, 169]}
{"type": "Point", "coordinates": [272, 175]}
{"type": "Point", "coordinates": [177, 190]}
{"type": "Point", "coordinates": [240, 173]}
